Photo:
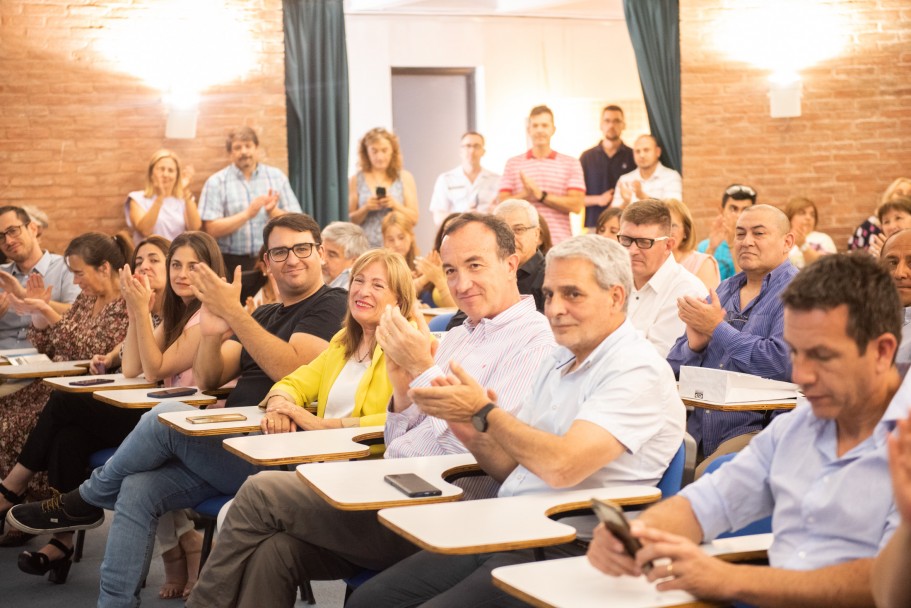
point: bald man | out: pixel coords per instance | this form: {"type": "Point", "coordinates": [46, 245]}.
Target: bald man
{"type": "Point", "coordinates": [896, 258]}
{"type": "Point", "coordinates": [740, 327]}
{"type": "Point", "coordinates": [650, 179]}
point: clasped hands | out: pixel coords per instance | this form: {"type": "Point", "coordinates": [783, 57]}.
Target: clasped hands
{"type": "Point", "coordinates": [32, 299]}
{"type": "Point", "coordinates": [701, 318]}
{"type": "Point", "coordinates": [220, 299]}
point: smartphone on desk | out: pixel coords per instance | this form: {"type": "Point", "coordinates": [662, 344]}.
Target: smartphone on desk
{"type": "Point", "coordinates": [169, 393]}
{"type": "Point", "coordinates": [614, 519]}
{"type": "Point", "coordinates": [216, 418]}
{"type": "Point", "coordinates": [92, 382]}
{"type": "Point", "coordinates": [412, 485]}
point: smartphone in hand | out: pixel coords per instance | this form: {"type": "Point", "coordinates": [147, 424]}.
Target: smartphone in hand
{"type": "Point", "coordinates": [614, 519]}
{"type": "Point", "coordinates": [381, 192]}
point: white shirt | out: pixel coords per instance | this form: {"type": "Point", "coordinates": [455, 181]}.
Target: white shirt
{"type": "Point", "coordinates": [653, 309]}
{"type": "Point", "coordinates": [454, 193]}
{"type": "Point", "coordinates": [625, 388]}
{"type": "Point", "coordinates": [340, 401]}
{"type": "Point", "coordinates": [664, 183]}
{"type": "Point", "coordinates": [904, 349]}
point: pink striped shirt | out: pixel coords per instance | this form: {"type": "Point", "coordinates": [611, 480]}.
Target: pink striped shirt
{"type": "Point", "coordinates": [503, 353]}
{"type": "Point", "coordinates": [555, 174]}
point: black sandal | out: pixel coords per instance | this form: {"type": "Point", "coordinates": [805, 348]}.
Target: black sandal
{"type": "Point", "coordinates": [40, 564]}
{"type": "Point", "coordinates": [13, 498]}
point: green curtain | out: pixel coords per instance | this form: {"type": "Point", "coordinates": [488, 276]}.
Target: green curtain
{"type": "Point", "coordinates": [316, 91]}
{"type": "Point", "coordinates": [654, 27]}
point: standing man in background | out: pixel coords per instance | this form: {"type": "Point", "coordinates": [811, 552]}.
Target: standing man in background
{"type": "Point", "coordinates": [238, 201]}
{"type": "Point", "coordinates": [551, 181]}
{"type": "Point", "coordinates": [603, 165]}
{"type": "Point", "coordinates": [468, 187]}
{"type": "Point", "coordinates": [650, 179]}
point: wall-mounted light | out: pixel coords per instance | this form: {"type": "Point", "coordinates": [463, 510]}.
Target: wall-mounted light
{"type": "Point", "coordinates": [183, 110]}
{"type": "Point", "coordinates": [785, 91]}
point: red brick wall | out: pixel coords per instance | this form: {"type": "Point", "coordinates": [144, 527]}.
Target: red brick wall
{"type": "Point", "coordinates": [852, 140]}
{"type": "Point", "coordinates": [75, 134]}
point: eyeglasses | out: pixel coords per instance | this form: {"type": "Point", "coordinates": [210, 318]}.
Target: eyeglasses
{"type": "Point", "coordinates": [519, 229]}
{"type": "Point", "coordinates": [301, 251]}
{"type": "Point", "coordinates": [739, 189]}
{"type": "Point", "coordinates": [736, 320]}
{"type": "Point", "coordinates": [12, 232]}
{"type": "Point", "coordinates": [641, 242]}
{"type": "Point", "coordinates": [477, 146]}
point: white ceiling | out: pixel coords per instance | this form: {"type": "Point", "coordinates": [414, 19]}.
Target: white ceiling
{"type": "Point", "coordinates": [566, 9]}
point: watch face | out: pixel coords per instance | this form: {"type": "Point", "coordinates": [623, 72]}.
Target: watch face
{"type": "Point", "coordinates": [480, 424]}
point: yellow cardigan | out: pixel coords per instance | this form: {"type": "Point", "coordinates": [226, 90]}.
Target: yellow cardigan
{"type": "Point", "coordinates": [313, 381]}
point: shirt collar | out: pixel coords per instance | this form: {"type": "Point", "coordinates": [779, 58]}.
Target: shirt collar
{"type": "Point", "coordinates": [533, 265]}
{"type": "Point", "coordinates": [41, 267]}
{"type": "Point", "coordinates": [551, 156]}
{"type": "Point", "coordinates": [564, 356]}
{"type": "Point", "coordinates": [240, 174]}
{"type": "Point", "coordinates": [662, 277]}
{"type": "Point", "coordinates": [776, 275]}
{"type": "Point", "coordinates": [525, 306]}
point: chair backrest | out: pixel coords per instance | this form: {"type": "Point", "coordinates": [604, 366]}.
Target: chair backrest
{"type": "Point", "coordinates": [681, 470]}
{"type": "Point", "coordinates": [760, 526]}
{"type": "Point", "coordinates": [439, 322]}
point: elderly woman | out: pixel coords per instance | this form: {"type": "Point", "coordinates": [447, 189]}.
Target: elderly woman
{"type": "Point", "coordinates": [164, 207]}
{"type": "Point", "coordinates": [381, 185]}
{"type": "Point", "coordinates": [809, 245]}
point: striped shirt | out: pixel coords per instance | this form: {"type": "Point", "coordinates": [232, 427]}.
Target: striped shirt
{"type": "Point", "coordinates": [503, 354]}
{"type": "Point", "coordinates": [227, 193]}
{"type": "Point", "coordinates": [555, 174]}
{"type": "Point", "coordinates": [750, 342]}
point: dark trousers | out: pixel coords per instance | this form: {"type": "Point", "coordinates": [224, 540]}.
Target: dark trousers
{"type": "Point", "coordinates": [70, 428]}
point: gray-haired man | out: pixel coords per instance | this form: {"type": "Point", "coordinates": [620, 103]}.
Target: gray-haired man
{"type": "Point", "coordinates": [343, 242]}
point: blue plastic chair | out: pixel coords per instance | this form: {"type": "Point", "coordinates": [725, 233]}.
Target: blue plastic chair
{"type": "Point", "coordinates": [439, 322]}
{"type": "Point", "coordinates": [681, 470]}
{"type": "Point", "coordinates": [760, 526]}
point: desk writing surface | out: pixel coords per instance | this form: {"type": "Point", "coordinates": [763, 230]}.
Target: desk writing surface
{"type": "Point", "coordinates": [47, 369]}
{"type": "Point", "coordinates": [304, 446]}
{"type": "Point", "coordinates": [178, 421]}
{"type": "Point", "coordinates": [741, 407]}
{"type": "Point", "coordinates": [119, 381]}
{"type": "Point", "coordinates": [138, 398]}
{"type": "Point", "coordinates": [17, 352]}
{"type": "Point", "coordinates": [502, 524]}
{"type": "Point", "coordinates": [360, 485]}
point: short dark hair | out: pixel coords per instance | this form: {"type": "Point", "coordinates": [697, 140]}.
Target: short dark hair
{"type": "Point", "coordinates": [738, 192]}
{"type": "Point", "coordinates": [648, 212]}
{"type": "Point", "coordinates": [300, 222]}
{"type": "Point", "coordinates": [19, 211]}
{"type": "Point", "coordinates": [612, 108]}
{"type": "Point", "coordinates": [95, 249]}
{"type": "Point", "coordinates": [856, 281]}
{"type": "Point", "coordinates": [542, 109]}
{"type": "Point", "coordinates": [241, 134]}
{"type": "Point", "coordinates": [506, 240]}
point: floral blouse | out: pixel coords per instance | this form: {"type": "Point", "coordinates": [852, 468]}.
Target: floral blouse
{"type": "Point", "coordinates": [79, 335]}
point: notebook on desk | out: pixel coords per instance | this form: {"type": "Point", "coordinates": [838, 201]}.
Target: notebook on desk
{"type": "Point", "coordinates": [720, 386]}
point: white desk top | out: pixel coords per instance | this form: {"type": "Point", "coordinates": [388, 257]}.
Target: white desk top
{"type": "Point", "coordinates": [138, 398]}
{"type": "Point", "coordinates": [47, 369]}
{"type": "Point", "coordinates": [17, 352]}
{"type": "Point", "coordinates": [575, 583]}
{"type": "Point", "coordinates": [304, 446]}
{"type": "Point", "coordinates": [119, 381]}
{"type": "Point", "coordinates": [502, 524]}
{"type": "Point", "coordinates": [178, 421]}
{"type": "Point", "coordinates": [359, 486]}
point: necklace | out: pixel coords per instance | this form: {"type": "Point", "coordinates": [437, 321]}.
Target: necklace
{"type": "Point", "coordinates": [361, 358]}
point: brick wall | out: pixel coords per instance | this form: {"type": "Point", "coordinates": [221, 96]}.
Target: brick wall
{"type": "Point", "coordinates": [852, 140]}
{"type": "Point", "coordinates": [76, 133]}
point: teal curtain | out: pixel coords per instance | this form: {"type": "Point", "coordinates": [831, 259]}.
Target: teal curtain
{"type": "Point", "coordinates": [654, 27]}
{"type": "Point", "coordinates": [316, 91]}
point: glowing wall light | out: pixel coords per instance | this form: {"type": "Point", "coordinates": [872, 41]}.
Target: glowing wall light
{"type": "Point", "coordinates": [181, 48]}
{"type": "Point", "coordinates": [784, 37]}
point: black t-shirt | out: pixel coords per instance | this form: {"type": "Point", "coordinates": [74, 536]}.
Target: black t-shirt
{"type": "Point", "coordinates": [601, 174]}
{"type": "Point", "coordinates": [320, 315]}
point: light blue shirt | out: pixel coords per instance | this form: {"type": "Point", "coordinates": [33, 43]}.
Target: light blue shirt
{"type": "Point", "coordinates": [825, 509]}
{"type": "Point", "coordinates": [624, 387]}
{"type": "Point", "coordinates": [227, 193]}
{"type": "Point", "coordinates": [56, 275]}
{"type": "Point", "coordinates": [723, 255]}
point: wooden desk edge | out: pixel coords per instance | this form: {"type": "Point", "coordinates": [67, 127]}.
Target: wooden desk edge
{"type": "Point", "coordinates": [363, 453]}
{"type": "Point", "coordinates": [99, 395]}
{"type": "Point", "coordinates": [11, 375]}
{"type": "Point", "coordinates": [587, 504]}
{"type": "Point", "coordinates": [98, 387]}
{"type": "Point", "coordinates": [240, 430]}
{"type": "Point", "coordinates": [738, 407]}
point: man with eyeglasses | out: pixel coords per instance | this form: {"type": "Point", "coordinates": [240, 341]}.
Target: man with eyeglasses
{"type": "Point", "coordinates": [19, 243]}
{"type": "Point", "coordinates": [658, 280]}
{"type": "Point", "coordinates": [740, 327]}
{"type": "Point", "coordinates": [603, 164]}
{"type": "Point", "coordinates": [158, 469]}
{"type": "Point", "coordinates": [468, 187]}
{"type": "Point", "coordinates": [736, 198]}
{"type": "Point", "coordinates": [650, 178]}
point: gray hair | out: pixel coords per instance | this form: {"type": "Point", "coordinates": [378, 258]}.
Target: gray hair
{"type": "Point", "coordinates": [350, 237]}
{"type": "Point", "coordinates": [515, 204]}
{"type": "Point", "coordinates": [610, 259]}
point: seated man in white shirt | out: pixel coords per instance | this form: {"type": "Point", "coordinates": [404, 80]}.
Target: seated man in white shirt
{"type": "Point", "coordinates": [658, 280]}
{"type": "Point", "coordinates": [604, 410]}
{"type": "Point", "coordinates": [650, 179]}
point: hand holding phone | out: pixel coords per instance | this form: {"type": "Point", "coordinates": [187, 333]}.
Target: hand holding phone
{"type": "Point", "coordinates": [381, 192]}
{"type": "Point", "coordinates": [615, 521]}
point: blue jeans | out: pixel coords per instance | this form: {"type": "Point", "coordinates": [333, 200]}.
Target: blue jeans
{"type": "Point", "coordinates": [155, 470]}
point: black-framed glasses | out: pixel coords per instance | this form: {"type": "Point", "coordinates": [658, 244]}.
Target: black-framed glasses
{"type": "Point", "coordinates": [740, 189]}
{"type": "Point", "coordinates": [519, 229]}
{"type": "Point", "coordinates": [12, 232]}
{"type": "Point", "coordinates": [301, 251]}
{"type": "Point", "coordinates": [641, 242]}
{"type": "Point", "coordinates": [736, 320]}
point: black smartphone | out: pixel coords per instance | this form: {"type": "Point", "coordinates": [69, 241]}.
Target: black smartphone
{"type": "Point", "coordinates": [381, 192]}
{"type": "Point", "coordinates": [168, 393]}
{"type": "Point", "coordinates": [613, 518]}
{"type": "Point", "coordinates": [92, 382]}
{"type": "Point", "coordinates": [412, 486]}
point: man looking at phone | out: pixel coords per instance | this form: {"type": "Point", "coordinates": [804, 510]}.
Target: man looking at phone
{"type": "Point", "coordinates": [236, 202]}
{"type": "Point", "coordinates": [821, 472]}
{"type": "Point", "coordinates": [602, 411]}
{"type": "Point", "coordinates": [158, 469]}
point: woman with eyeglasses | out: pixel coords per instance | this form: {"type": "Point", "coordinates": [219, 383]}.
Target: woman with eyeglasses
{"type": "Point", "coordinates": [96, 323]}
{"type": "Point", "coordinates": [683, 231]}
{"type": "Point", "coordinates": [165, 207]}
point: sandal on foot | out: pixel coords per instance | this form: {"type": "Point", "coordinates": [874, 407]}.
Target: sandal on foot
{"type": "Point", "coordinates": [40, 564]}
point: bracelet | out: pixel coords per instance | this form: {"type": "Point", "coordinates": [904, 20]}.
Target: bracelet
{"type": "Point", "coordinates": [543, 196]}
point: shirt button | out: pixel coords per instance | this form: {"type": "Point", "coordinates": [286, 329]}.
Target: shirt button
{"type": "Point", "coordinates": [721, 366]}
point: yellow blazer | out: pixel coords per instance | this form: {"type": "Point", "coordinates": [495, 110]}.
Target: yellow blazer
{"type": "Point", "coordinates": [313, 381]}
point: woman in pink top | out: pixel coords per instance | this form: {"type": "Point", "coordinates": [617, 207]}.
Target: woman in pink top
{"type": "Point", "coordinates": [702, 265]}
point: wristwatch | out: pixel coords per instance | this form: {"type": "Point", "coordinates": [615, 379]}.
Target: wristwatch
{"type": "Point", "coordinates": [543, 196]}
{"type": "Point", "coordinates": [479, 419]}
